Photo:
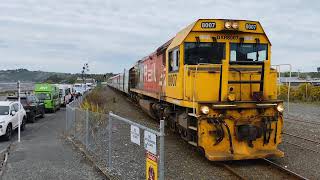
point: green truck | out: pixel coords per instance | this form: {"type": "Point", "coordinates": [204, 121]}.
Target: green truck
{"type": "Point", "coordinates": [49, 94]}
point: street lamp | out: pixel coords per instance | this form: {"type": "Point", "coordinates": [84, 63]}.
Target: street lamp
{"type": "Point", "coordinates": [85, 69]}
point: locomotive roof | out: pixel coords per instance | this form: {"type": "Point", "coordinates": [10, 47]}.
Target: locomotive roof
{"type": "Point", "coordinates": [180, 36]}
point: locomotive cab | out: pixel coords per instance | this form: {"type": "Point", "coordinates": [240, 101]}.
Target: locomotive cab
{"type": "Point", "coordinates": [220, 80]}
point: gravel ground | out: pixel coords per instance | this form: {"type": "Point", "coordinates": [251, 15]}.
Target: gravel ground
{"type": "Point", "coordinates": [258, 169]}
{"type": "Point", "coordinates": [182, 161]}
{"type": "Point", "coordinates": [304, 111]}
{"type": "Point", "coordinates": [300, 159]}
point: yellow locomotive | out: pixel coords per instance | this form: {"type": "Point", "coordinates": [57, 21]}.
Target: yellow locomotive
{"type": "Point", "coordinates": [213, 83]}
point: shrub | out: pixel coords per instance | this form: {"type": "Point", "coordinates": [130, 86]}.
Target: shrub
{"type": "Point", "coordinates": [304, 92]}
{"type": "Point", "coordinates": [95, 101]}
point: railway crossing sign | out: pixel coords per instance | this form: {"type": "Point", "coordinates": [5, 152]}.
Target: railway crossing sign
{"type": "Point", "coordinates": [135, 134]}
{"type": "Point", "coordinates": [150, 142]}
{"type": "Point", "coordinates": [151, 167]}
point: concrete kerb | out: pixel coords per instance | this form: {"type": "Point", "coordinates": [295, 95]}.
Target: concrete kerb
{"type": "Point", "coordinates": [91, 159]}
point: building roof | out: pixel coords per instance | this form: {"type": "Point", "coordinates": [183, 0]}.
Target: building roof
{"type": "Point", "coordinates": [299, 80]}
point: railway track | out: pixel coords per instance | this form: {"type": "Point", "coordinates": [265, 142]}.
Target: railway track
{"type": "Point", "coordinates": [285, 170]}
{"type": "Point", "coordinates": [232, 170]}
{"type": "Point", "coordinates": [265, 162]}
{"type": "Point", "coordinates": [301, 138]}
{"type": "Point", "coordinates": [302, 121]}
{"type": "Point", "coordinates": [302, 147]}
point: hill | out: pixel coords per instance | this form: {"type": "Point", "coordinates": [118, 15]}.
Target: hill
{"type": "Point", "coordinates": [25, 75]}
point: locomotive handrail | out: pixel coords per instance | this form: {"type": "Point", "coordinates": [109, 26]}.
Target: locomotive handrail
{"type": "Point", "coordinates": [289, 83]}
{"type": "Point", "coordinates": [246, 62]}
{"type": "Point", "coordinates": [245, 82]}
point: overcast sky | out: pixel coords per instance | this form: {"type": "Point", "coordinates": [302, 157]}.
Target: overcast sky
{"type": "Point", "coordinates": [61, 35]}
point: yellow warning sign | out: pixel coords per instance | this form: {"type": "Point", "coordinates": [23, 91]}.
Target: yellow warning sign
{"type": "Point", "coordinates": [151, 166]}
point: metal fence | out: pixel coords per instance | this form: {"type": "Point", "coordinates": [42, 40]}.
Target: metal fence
{"type": "Point", "coordinates": [126, 149]}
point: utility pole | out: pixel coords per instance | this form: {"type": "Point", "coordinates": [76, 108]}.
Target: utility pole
{"type": "Point", "coordinates": [85, 69]}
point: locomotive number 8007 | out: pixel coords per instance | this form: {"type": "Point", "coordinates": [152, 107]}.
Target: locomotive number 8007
{"type": "Point", "coordinates": [214, 85]}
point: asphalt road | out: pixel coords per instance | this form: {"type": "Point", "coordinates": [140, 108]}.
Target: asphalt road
{"type": "Point", "coordinates": [43, 153]}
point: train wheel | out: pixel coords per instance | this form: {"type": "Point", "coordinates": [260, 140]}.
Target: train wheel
{"type": "Point", "coordinates": [183, 133]}
{"type": "Point", "coordinates": [172, 126]}
{"type": "Point", "coordinates": [201, 151]}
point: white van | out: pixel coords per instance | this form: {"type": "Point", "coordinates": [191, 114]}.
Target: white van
{"type": "Point", "coordinates": [65, 91]}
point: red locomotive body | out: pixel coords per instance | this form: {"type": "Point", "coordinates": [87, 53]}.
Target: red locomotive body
{"type": "Point", "coordinates": [153, 71]}
{"type": "Point", "coordinates": [148, 75]}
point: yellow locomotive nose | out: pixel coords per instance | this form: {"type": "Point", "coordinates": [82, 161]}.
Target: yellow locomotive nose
{"type": "Point", "coordinates": [235, 134]}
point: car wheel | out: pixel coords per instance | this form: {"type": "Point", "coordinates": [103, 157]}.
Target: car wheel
{"type": "Point", "coordinates": [42, 113]}
{"type": "Point", "coordinates": [23, 124]}
{"type": "Point", "coordinates": [8, 134]}
{"type": "Point", "coordinates": [32, 117]}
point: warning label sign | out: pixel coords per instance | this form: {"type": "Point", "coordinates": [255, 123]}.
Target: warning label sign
{"type": "Point", "coordinates": [150, 142]}
{"type": "Point", "coordinates": [151, 166]}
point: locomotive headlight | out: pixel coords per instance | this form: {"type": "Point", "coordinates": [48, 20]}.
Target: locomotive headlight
{"type": "Point", "coordinates": [280, 108]}
{"type": "Point", "coordinates": [227, 25]}
{"type": "Point", "coordinates": [205, 109]}
{"type": "Point", "coordinates": [235, 25]}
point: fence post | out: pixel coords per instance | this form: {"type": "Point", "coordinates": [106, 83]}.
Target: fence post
{"type": "Point", "coordinates": [87, 128]}
{"type": "Point", "coordinates": [67, 119]}
{"type": "Point", "coordinates": [161, 153]}
{"type": "Point", "coordinates": [75, 122]}
{"type": "Point", "coordinates": [109, 142]}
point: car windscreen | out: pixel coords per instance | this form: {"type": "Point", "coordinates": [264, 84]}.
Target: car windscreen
{"type": "Point", "coordinates": [23, 100]}
{"type": "Point", "coordinates": [43, 96]}
{"type": "Point", "coordinates": [4, 110]}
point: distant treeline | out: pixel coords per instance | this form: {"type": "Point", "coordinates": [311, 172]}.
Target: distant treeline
{"type": "Point", "coordinates": [25, 75]}
{"type": "Point", "coordinates": [71, 79]}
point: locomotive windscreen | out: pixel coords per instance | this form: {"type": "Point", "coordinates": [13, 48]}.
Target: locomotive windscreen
{"type": "Point", "coordinates": [248, 52]}
{"type": "Point", "coordinates": [202, 52]}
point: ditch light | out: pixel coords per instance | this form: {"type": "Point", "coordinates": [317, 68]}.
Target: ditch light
{"type": "Point", "coordinates": [231, 25]}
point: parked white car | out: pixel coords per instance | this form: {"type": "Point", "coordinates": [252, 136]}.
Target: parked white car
{"type": "Point", "coordinates": [80, 88]}
{"type": "Point", "coordinates": [9, 118]}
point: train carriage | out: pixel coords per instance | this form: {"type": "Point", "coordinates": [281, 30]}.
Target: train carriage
{"type": "Point", "coordinates": [213, 84]}
{"type": "Point", "coordinates": [120, 81]}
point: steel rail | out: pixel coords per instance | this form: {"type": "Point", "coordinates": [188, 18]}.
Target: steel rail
{"type": "Point", "coordinates": [300, 137]}
{"type": "Point", "coordinates": [307, 122]}
{"type": "Point", "coordinates": [289, 172]}
{"type": "Point", "coordinates": [232, 170]}
{"type": "Point", "coordinates": [301, 147]}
